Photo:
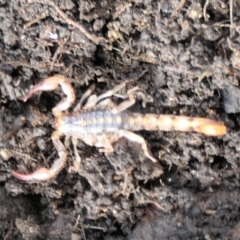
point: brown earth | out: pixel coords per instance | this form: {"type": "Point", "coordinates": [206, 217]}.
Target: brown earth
{"type": "Point", "coordinates": [190, 51]}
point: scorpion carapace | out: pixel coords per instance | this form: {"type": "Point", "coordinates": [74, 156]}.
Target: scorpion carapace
{"type": "Point", "coordinates": [100, 123]}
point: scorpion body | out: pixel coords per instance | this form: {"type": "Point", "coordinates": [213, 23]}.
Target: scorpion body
{"type": "Point", "coordinates": [100, 123]}
{"type": "Point", "coordinates": [103, 121]}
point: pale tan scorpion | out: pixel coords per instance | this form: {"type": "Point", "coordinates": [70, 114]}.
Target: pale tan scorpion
{"type": "Point", "coordinates": [100, 123]}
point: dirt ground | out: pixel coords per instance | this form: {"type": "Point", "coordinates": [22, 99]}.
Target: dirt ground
{"type": "Point", "coordinates": [184, 55]}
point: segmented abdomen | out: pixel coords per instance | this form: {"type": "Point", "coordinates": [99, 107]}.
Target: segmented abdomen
{"type": "Point", "coordinates": [89, 122]}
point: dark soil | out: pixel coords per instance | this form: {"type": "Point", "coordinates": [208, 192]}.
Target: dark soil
{"type": "Point", "coordinates": [190, 52]}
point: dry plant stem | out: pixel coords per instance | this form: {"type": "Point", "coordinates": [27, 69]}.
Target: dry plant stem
{"type": "Point", "coordinates": [205, 11]}
{"type": "Point", "coordinates": [231, 17]}
{"type": "Point", "coordinates": [56, 54]}
{"type": "Point", "coordinates": [37, 19]}
{"type": "Point", "coordinates": [9, 231]}
{"type": "Point", "coordinates": [121, 10]}
{"type": "Point", "coordinates": [93, 38]}
{"type": "Point", "coordinates": [21, 63]}
{"type": "Point", "coordinates": [178, 8]}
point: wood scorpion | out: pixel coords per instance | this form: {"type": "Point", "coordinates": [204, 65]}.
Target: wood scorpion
{"type": "Point", "coordinates": [101, 122]}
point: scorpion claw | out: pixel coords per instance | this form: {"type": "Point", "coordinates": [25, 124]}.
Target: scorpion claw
{"type": "Point", "coordinates": [36, 88]}
{"type": "Point", "coordinates": [42, 174]}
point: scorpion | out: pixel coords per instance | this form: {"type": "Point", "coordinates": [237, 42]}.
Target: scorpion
{"type": "Point", "coordinates": [100, 123]}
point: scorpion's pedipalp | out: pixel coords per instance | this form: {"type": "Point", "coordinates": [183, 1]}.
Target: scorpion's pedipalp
{"type": "Point", "coordinates": [47, 84]}
{"type": "Point", "coordinates": [50, 84]}
{"type": "Point", "coordinates": [43, 174]}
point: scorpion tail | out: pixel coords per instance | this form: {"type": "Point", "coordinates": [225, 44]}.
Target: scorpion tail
{"type": "Point", "coordinates": [153, 122]}
{"type": "Point", "coordinates": [209, 127]}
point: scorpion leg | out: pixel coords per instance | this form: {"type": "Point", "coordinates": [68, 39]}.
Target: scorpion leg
{"type": "Point", "coordinates": [50, 84]}
{"type": "Point", "coordinates": [122, 106]}
{"type": "Point", "coordinates": [106, 103]}
{"type": "Point", "coordinates": [111, 92]}
{"type": "Point", "coordinates": [43, 174]}
{"type": "Point", "coordinates": [134, 138]}
{"type": "Point", "coordinates": [91, 102]}
{"type": "Point", "coordinates": [93, 99]}
{"type": "Point", "coordinates": [127, 103]}
{"type": "Point", "coordinates": [84, 97]}
{"type": "Point", "coordinates": [104, 143]}
{"type": "Point", "coordinates": [77, 161]}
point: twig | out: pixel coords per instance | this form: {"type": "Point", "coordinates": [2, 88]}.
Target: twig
{"type": "Point", "coordinates": [152, 202]}
{"type": "Point", "coordinates": [205, 11]}
{"type": "Point", "coordinates": [15, 152]}
{"type": "Point", "coordinates": [37, 19]}
{"type": "Point", "coordinates": [93, 38]}
{"type": "Point", "coordinates": [231, 17]}
{"type": "Point", "coordinates": [21, 63]}
{"type": "Point", "coordinates": [95, 227]}
{"type": "Point", "coordinates": [178, 8]}
{"type": "Point", "coordinates": [121, 10]}
{"type": "Point", "coordinates": [82, 226]}
{"type": "Point", "coordinates": [56, 54]}
{"type": "Point", "coordinates": [9, 230]}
